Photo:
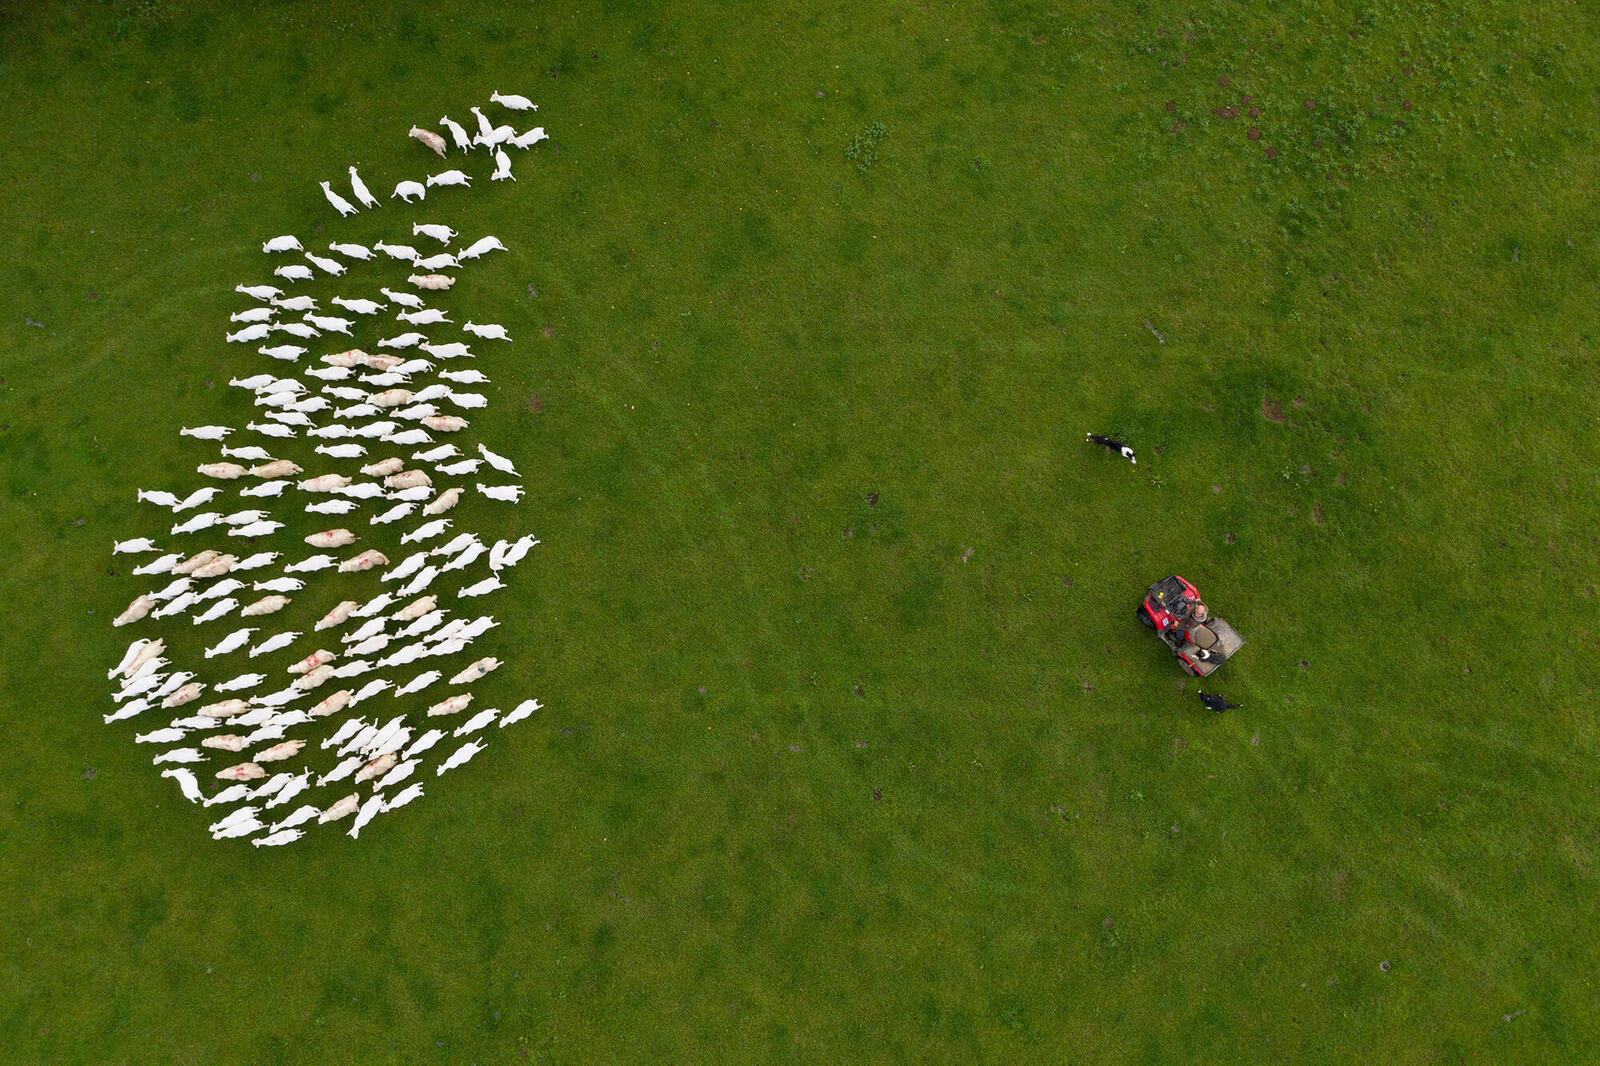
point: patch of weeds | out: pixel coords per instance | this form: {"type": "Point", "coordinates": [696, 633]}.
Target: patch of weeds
{"type": "Point", "coordinates": [863, 147]}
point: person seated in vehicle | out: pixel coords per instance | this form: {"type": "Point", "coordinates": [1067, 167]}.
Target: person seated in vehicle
{"type": "Point", "coordinates": [1198, 634]}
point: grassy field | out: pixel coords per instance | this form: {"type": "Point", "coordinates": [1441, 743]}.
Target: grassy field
{"type": "Point", "coordinates": [852, 749]}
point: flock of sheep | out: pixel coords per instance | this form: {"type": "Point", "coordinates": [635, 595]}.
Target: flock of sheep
{"type": "Point", "coordinates": [373, 418]}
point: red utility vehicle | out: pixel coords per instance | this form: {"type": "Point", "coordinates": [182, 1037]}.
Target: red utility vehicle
{"type": "Point", "coordinates": [1201, 641]}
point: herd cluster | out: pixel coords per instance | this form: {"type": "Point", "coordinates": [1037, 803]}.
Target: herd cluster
{"type": "Point", "coordinates": [386, 630]}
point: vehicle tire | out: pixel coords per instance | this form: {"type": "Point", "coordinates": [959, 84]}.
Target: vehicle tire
{"type": "Point", "coordinates": [1144, 618]}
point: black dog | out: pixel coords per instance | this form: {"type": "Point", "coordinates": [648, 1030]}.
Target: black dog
{"type": "Point", "coordinates": [1217, 703]}
{"type": "Point", "coordinates": [1127, 452]}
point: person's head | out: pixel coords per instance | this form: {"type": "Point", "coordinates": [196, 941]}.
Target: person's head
{"type": "Point", "coordinates": [1200, 612]}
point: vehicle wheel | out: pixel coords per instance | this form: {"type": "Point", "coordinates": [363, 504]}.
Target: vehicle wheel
{"type": "Point", "coordinates": [1145, 619]}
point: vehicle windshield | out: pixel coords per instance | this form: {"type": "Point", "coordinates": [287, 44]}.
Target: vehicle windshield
{"type": "Point", "coordinates": [1170, 594]}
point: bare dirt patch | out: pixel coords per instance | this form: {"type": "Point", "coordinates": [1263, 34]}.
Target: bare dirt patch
{"type": "Point", "coordinates": [1272, 410]}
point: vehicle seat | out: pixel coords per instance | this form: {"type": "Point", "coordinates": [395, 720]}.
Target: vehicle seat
{"type": "Point", "coordinates": [1202, 637]}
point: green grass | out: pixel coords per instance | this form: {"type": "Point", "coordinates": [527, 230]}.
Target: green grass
{"type": "Point", "coordinates": [821, 778]}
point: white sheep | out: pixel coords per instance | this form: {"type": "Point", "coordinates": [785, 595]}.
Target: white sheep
{"type": "Point", "coordinates": [466, 557]}
{"type": "Point", "coordinates": [253, 332]}
{"type": "Point", "coordinates": [186, 783]}
{"type": "Point", "coordinates": [341, 451]}
{"type": "Point", "coordinates": [426, 531]}
{"type": "Point", "coordinates": [216, 610]}
{"type": "Point", "coordinates": [521, 711]}
{"type": "Point", "coordinates": [502, 493]}
{"type": "Point", "coordinates": [437, 262]}
{"type": "Point", "coordinates": [273, 643]}
{"type": "Point", "coordinates": [359, 187]}
{"type": "Point", "coordinates": [497, 136]}
{"type": "Point", "coordinates": [441, 233]}
{"type": "Point", "coordinates": [360, 307]}
{"type": "Point", "coordinates": [502, 166]}
{"type": "Point", "coordinates": [404, 299]}
{"type": "Point", "coordinates": [482, 246]}
{"type": "Point", "coordinates": [196, 498]}
{"type": "Point", "coordinates": [481, 588]}
{"type": "Point", "coordinates": [402, 252]}
{"type": "Point", "coordinates": [490, 331]}
{"type": "Point", "coordinates": [340, 204]}
{"type": "Point", "coordinates": [519, 549]}
{"type": "Point", "coordinates": [232, 642]}
{"type": "Point", "coordinates": [457, 133]}
{"type": "Point", "coordinates": [409, 191]}
{"type": "Point", "coordinates": [513, 101]}
{"type": "Point", "coordinates": [354, 251]}
{"type": "Point", "coordinates": [485, 127]}
{"type": "Point", "coordinates": [331, 323]}
{"type": "Point", "coordinates": [530, 138]}
{"type": "Point", "coordinates": [281, 837]}
{"type": "Point", "coordinates": [330, 266]}
{"type": "Point", "coordinates": [256, 561]}
{"type": "Point", "coordinates": [461, 755]}
{"type": "Point", "coordinates": [477, 722]}
{"type": "Point", "coordinates": [499, 462]}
